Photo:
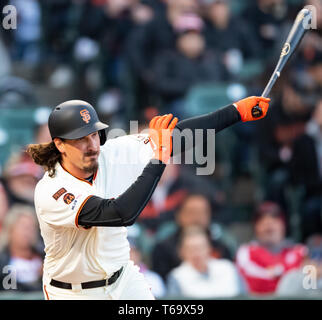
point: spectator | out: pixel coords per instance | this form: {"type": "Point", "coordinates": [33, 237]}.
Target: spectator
{"type": "Point", "coordinates": [156, 36]}
{"type": "Point", "coordinates": [190, 63]}
{"type": "Point", "coordinates": [155, 281]}
{"type": "Point", "coordinates": [267, 18]}
{"type": "Point", "coordinates": [174, 185]}
{"type": "Point", "coordinates": [195, 210]}
{"type": "Point", "coordinates": [18, 249]}
{"type": "Point", "coordinates": [314, 71]}
{"type": "Point", "coordinates": [200, 275]}
{"type": "Point", "coordinates": [58, 29]}
{"type": "Point", "coordinates": [4, 204]}
{"type": "Point", "coordinates": [21, 175]}
{"type": "Point", "coordinates": [306, 171]}
{"type": "Point", "coordinates": [150, 39]}
{"type": "Point", "coordinates": [26, 44]}
{"type": "Point", "coordinates": [265, 260]}
{"type": "Point", "coordinates": [229, 34]}
{"type": "Point", "coordinates": [5, 68]}
{"type": "Point", "coordinates": [305, 282]}
{"type": "Point", "coordinates": [276, 135]}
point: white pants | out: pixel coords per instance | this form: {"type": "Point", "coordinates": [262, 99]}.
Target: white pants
{"type": "Point", "coordinates": [131, 285]}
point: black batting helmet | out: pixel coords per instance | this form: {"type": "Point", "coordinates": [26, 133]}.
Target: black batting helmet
{"type": "Point", "coordinates": [75, 119]}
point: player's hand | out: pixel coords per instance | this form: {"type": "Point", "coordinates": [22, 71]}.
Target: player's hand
{"type": "Point", "coordinates": [160, 133]}
{"type": "Point", "coordinates": [245, 106]}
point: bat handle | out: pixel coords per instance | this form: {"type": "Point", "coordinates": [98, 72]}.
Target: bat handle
{"type": "Point", "coordinates": [257, 110]}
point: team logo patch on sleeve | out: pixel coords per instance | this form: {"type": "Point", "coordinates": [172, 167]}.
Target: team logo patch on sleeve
{"type": "Point", "coordinates": [69, 198]}
{"type": "Point", "coordinates": [59, 193]}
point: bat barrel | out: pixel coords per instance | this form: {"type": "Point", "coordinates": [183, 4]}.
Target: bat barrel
{"type": "Point", "coordinates": [300, 26]}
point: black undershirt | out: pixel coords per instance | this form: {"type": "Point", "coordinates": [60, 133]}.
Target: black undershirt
{"type": "Point", "coordinates": [124, 210]}
{"type": "Point", "coordinates": [90, 179]}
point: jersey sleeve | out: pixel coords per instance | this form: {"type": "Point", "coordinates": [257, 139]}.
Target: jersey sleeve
{"type": "Point", "coordinates": [60, 205]}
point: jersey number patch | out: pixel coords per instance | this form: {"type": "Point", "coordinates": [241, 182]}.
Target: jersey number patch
{"type": "Point", "coordinates": [69, 198]}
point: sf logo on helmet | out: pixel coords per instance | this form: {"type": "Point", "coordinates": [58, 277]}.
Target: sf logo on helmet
{"type": "Point", "coordinates": [85, 115]}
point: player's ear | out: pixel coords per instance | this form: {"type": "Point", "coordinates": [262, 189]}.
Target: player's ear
{"type": "Point", "coordinates": [59, 143]}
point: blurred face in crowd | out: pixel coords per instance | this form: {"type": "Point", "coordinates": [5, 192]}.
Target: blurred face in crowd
{"type": "Point", "coordinates": [182, 6]}
{"type": "Point", "coordinates": [191, 44]}
{"type": "Point", "coordinates": [196, 210]}
{"type": "Point", "coordinates": [141, 13]}
{"type": "Point", "coordinates": [292, 101]}
{"type": "Point", "coordinates": [23, 232]}
{"type": "Point", "coordinates": [23, 186]}
{"type": "Point", "coordinates": [270, 230]}
{"type": "Point", "coordinates": [195, 249]}
{"type": "Point", "coordinates": [80, 156]}
{"type": "Point", "coordinates": [117, 7]}
{"type": "Point", "coordinates": [219, 14]}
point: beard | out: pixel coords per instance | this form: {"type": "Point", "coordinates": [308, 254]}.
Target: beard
{"type": "Point", "coordinates": [92, 166]}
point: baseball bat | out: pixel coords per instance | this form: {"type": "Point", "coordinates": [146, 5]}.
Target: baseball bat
{"type": "Point", "coordinates": [300, 26]}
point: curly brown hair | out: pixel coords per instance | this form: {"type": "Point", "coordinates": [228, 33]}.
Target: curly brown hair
{"type": "Point", "coordinates": [45, 155]}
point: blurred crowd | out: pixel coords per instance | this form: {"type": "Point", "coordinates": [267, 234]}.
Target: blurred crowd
{"type": "Point", "coordinates": [254, 226]}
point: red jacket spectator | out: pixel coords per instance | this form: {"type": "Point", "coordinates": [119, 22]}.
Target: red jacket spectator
{"type": "Point", "coordinates": [262, 269]}
{"type": "Point", "coordinates": [264, 261]}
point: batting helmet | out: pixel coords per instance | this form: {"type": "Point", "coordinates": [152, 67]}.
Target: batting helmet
{"type": "Point", "coordinates": [75, 119]}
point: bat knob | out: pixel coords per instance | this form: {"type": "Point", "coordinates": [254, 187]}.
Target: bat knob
{"type": "Point", "coordinates": [257, 112]}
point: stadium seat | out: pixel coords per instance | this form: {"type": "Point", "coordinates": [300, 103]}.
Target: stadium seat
{"type": "Point", "coordinates": [17, 129]}
{"type": "Point", "coordinates": [209, 97]}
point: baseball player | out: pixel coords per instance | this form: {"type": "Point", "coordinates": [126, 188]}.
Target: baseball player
{"type": "Point", "coordinates": [92, 189]}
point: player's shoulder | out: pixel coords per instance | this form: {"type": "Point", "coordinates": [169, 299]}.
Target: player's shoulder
{"type": "Point", "coordinates": [45, 182]}
{"type": "Point", "coordinates": [50, 187]}
{"type": "Point", "coordinates": [127, 145]}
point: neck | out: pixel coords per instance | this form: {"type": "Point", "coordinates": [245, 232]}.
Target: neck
{"type": "Point", "coordinates": [75, 171]}
{"type": "Point", "coordinates": [273, 246]}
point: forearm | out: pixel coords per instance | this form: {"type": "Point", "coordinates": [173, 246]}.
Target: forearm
{"type": "Point", "coordinates": [217, 120]}
{"type": "Point", "coordinates": [124, 210]}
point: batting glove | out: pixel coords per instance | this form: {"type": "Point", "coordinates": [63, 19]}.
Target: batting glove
{"type": "Point", "coordinates": [160, 133]}
{"type": "Point", "coordinates": [246, 105]}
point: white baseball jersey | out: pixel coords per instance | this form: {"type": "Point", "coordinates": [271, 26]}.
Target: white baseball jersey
{"type": "Point", "coordinates": [75, 254]}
